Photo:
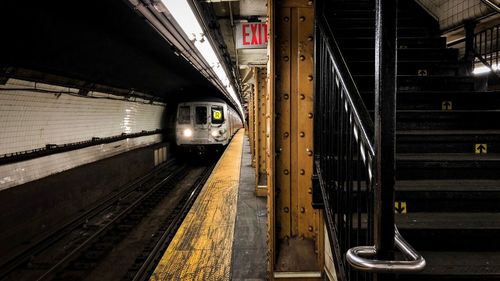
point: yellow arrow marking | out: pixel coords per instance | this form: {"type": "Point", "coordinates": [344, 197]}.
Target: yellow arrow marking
{"type": "Point", "coordinates": [481, 148]}
{"type": "Point", "coordinates": [400, 207]}
{"type": "Point", "coordinates": [446, 105]}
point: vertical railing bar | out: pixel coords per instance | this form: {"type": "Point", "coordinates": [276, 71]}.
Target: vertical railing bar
{"type": "Point", "coordinates": [496, 47]}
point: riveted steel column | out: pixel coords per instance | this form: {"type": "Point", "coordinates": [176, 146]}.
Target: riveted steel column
{"type": "Point", "coordinates": [295, 221]}
{"type": "Point", "coordinates": [261, 180]}
{"type": "Point", "coordinates": [385, 125]}
{"type": "Point", "coordinates": [270, 145]}
{"type": "Point", "coordinates": [251, 123]}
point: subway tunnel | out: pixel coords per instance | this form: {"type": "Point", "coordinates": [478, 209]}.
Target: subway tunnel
{"type": "Point", "coordinates": [249, 140]}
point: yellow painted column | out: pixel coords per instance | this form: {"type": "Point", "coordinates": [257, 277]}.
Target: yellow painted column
{"type": "Point", "coordinates": [261, 174]}
{"type": "Point", "coordinates": [295, 226]}
{"type": "Point", "coordinates": [251, 124]}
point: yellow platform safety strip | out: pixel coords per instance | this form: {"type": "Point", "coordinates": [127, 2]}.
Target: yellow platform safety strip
{"type": "Point", "coordinates": [202, 247]}
{"type": "Point", "coordinates": [481, 148]}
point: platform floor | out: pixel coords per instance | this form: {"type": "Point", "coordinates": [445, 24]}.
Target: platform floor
{"type": "Point", "coordinates": [226, 210]}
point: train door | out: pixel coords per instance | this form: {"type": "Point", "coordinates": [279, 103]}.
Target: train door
{"type": "Point", "coordinates": [201, 126]}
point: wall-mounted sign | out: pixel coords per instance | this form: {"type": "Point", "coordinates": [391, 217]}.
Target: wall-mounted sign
{"type": "Point", "coordinates": [251, 35]}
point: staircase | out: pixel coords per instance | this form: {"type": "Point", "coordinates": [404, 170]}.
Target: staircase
{"type": "Point", "coordinates": [448, 142]}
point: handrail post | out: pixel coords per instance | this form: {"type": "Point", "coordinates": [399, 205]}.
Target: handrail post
{"type": "Point", "coordinates": [469, 55]}
{"type": "Point", "coordinates": [385, 127]}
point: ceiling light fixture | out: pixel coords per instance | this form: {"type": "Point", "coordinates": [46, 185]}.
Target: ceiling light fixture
{"type": "Point", "coordinates": [183, 14]}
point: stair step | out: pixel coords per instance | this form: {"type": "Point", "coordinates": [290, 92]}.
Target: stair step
{"type": "Point", "coordinates": [403, 42]}
{"type": "Point", "coordinates": [450, 231]}
{"type": "Point", "coordinates": [370, 22]}
{"type": "Point", "coordinates": [420, 83]}
{"type": "Point", "coordinates": [449, 195]}
{"type": "Point", "coordinates": [457, 265]}
{"type": "Point", "coordinates": [410, 55]}
{"type": "Point", "coordinates": [446, 141]}
{"type": "Point", "coordinates": [448, 120]}
{"type": "Point", "coordinates": [440, 100]}
{"type": "Point", "coordinates": [435, 67]}
{"type": "Point", "coordinates": [419, 166]}
{"type": "Point", "coordinates": [413, 31]}
{"type": "Point", "coordinates": [454, 100]}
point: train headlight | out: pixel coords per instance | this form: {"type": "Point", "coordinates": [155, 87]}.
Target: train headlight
{"type": "Point", "coordinates": [215, 133]}
{"type": "Point", "coordinates": [187, 133]}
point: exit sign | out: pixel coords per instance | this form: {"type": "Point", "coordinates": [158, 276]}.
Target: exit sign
{"type": "Point", "coordinates": [251, 35]}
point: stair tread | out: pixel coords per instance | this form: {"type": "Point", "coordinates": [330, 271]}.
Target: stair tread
{"type": "Point", "coordinates": [452, 220]}
{"type": "Point", "coordinates": [448, 157]}
{"type": "Point", "coordinates": [461, 263]}
{"type": "Point", "coordinates": [448, 185]}
{"type": "Point", "coordinates": [448, 132]}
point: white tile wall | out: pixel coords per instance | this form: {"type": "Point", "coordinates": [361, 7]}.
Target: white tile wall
{"type": "Point", "coordinates": [452, 13]}
{"type": "Point", "coordinates": [26, 171]}
{"type": "Point", "coordinates": [30, 119]}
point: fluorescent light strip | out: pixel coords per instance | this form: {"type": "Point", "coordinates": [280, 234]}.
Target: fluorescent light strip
{"type": "Point", "coordinates": [184, 16]}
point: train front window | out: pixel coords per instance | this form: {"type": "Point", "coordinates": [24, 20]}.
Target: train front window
{"type": "Point", "coordinates": [184, 116]}
{"type": "Point", "coordinates": [201, 115]}
{"type": "Point", "coordinates": [217, 115]}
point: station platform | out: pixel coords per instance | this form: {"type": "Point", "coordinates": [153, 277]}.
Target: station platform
{"type": "Point", "coordinates": [223, 237]}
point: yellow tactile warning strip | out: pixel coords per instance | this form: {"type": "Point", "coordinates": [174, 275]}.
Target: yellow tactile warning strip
{"type": "Point", "coordinates": [202, 247]}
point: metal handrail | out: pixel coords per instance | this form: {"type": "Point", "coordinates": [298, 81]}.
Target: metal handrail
{"type": "Point", "coordinates": [361, 258]}
{"type": "Point", "coordinates": [345, 167]}
{"type": "Point", "coordinates": [491, 5]}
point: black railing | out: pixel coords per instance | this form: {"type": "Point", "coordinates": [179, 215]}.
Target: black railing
{"type": "Point", "coordinates": [486, 47]}
{"type": "Point", "coordinates": [354, 169]}
{"type": "Point", "coordinates": [344, 153]}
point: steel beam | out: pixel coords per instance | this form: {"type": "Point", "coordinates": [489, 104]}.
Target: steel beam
{"type": "Point", "coordinates": [385, 125]}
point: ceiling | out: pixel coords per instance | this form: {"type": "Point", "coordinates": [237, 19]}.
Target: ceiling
{"type": "Point", "coordinates": [103, 42]}
{"type": "Point", "coordinates": [109, 43]}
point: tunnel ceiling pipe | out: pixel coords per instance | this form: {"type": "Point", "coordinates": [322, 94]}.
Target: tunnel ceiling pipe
{"type": "Point", "coordinates": [168, 29]}
{"type": "Point", "coordinates": [182, 11]}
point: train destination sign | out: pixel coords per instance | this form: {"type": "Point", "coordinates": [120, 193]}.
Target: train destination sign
{"type": "Point", "coordinates": [251, 35]}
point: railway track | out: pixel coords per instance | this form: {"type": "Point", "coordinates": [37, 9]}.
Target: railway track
{"type": "Point", "coordinates": [76, 248]}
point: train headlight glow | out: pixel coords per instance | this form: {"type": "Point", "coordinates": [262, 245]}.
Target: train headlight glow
{"type": "Point", "coordinates": [187, 133]}
{"type": "Point", "coordinates": [215, 133]}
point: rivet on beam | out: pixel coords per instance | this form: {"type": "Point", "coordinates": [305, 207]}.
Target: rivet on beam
{"type": "Point", "coordinates": [302, 172]}
{"type": "Point", "coordinates": [286, 209]}
{"type": "Point", "coordinates": [302, 134]}
{"type": "Point", "coordinates": [302, 96]}
{"type": "Point", "coordinates": [302, 18]}
{"type": "Point", "coordinates": [286, 172]}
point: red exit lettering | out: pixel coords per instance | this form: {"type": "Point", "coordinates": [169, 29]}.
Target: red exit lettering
{"type": "Point", "coordinates": [254, 33]}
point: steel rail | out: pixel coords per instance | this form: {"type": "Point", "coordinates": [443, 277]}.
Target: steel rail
{"type": "Point", "coordinates": [62, 262]}
{"type": "Point", "coordinates": [148, 266]}
{"type": "Point", "coordinates": [51, 238]}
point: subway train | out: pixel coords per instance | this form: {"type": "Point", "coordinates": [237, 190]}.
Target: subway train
{"type": "Point", "coordinates": [203, 125]}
